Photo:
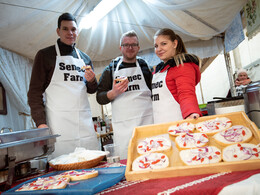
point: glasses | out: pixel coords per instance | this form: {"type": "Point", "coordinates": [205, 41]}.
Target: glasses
{"type": "Point", "coordinates": [134, 45]}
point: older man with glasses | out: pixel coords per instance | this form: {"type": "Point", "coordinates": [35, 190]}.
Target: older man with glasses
{"type": "Point", "coordinates": [130, 97]}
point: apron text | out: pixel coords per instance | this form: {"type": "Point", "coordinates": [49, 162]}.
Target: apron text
{"type": "Point", "coordinates": [155, 97]}
{"type": "Point", "coordinates": [71, 67]}
{"type": "Point", "coordinates": [158, 84]}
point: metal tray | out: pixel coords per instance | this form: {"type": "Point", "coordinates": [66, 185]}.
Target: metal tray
{"type": "Point", "coordinates": [106, 178]}
{"type": "Point", "coordinates": [25, 145]}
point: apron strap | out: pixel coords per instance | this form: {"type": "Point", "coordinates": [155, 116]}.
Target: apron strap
{"type": "Point", "coordinates": [57, 49]}
{"type": "Point", "coordinates": [77, 53]}
{"type": "Point", "coordinates": [120, 61]}
{"type": "Point", "coordinates": [117, 66]}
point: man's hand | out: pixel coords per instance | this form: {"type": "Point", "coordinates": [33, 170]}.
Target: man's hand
{"type": "Point", "coordinates": [89, 75]}
{"type": "Point", "coordinates": [118, 88]}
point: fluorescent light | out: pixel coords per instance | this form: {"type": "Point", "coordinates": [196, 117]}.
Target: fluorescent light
{"type": "Point", "coordinates": [102, 9]}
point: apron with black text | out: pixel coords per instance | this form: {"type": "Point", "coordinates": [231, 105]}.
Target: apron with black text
{"type": "Point", "coordinates": [67, 106]}
{"type": "Point", "coordinates": [132, 108]}
{"type": "Point", "coordinates": [165, 107]}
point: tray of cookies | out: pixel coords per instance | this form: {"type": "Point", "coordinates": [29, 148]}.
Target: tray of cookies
{"type": "Point", "coordinates": [81, 181]}
{"type": "Point", "coordinates": [210, 144]}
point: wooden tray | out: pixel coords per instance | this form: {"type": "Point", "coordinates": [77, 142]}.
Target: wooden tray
{"type": "Point", "coordinates": [177, 167]}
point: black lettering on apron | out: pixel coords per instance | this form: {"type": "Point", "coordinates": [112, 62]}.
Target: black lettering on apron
{"type": "Point", "coordinates": [133, 88]}
{"type": "Point", "coordinates": [155, 97]}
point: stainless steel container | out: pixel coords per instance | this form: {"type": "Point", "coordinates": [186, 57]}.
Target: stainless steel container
{"type": "Point", "coordinates": [252, 102]}
{"type": "Point", "coordinates": [225, 105]}
{"type": "Point", "coordinates": [25, 144]}
{"type": "Point", "coordinates": [22, 146]}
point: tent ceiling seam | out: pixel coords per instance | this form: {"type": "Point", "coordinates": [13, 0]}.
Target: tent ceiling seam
{"type": "Point", "coordinates": [199, 19]}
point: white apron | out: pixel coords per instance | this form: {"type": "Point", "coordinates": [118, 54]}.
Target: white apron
{"type": "Point", "coordinates": [67, 106]}
{"type": "Point", "coordinates": [240, 90]}
{"type": "Point", "coordinates": [132, 108]}
{"type": "Point", "coordinates": [165, 107]}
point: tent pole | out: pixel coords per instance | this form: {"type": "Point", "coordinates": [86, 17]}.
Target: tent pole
{"type": "Point", "coordinates": [230, 75]}
{"type": "Point", "coordinates": [229, 69]}
{"type": "Point", "coordinates": [202, 97]}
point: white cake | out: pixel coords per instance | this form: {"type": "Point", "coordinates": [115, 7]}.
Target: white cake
{"type": "Point", "coordinates": [181, 128]}
{"type": "Point", "coordinates": [198, 156]}
{"type": "Point", "coordinates": [150, 161]}
{"type": "Point", "coordinates": [239, 152]}
{"type": "Point", "coordinates": [234, 134]}
{"type": "Point", "coordinates": [154, 144]}
{"type": "Point", "coordinates": [191, 140]}
{"type": "Point", "coordinates": [213, 126]}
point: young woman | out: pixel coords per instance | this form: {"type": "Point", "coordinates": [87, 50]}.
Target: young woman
{"type": "Point", "coordinates": [174, 79]}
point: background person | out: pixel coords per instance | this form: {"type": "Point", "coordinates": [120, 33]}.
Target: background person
{"type": "Point", "coordinates": [174, 80]}
{"type": "Point", "coordinates": [131, 98]}
{"type": "Point", "coordinates": [57, 73]}
{"type": "Point", "coordinates": [241, 82]}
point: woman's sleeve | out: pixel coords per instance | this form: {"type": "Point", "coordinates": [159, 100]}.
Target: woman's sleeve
{"type": "Point", "coordinates": [186, 78]}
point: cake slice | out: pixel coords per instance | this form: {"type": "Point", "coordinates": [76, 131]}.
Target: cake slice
{"type": "Point", "coordinates": [80, 175]}
{"type": "Point", "coordinates": [150, 161]}
{"type": "Point", "coordinates": [210, 127]}
{"type": "Point", "coordinates": [234, 134]}
{"type": "Point", "coordinates": [181, 128]}
{"type": "Point", "coordinates": [191, 140]}
{"type": "Point", "coordinates": [239, 152]}
{"type": "Point", "coordinates": [154, 144]}
{"type": "Point", "coordinates": [198, 156]}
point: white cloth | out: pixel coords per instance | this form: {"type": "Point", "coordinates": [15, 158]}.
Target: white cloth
{"type": "Point", "coordinates": [15, 74]}
{"type": "Point", "coordinates": [248, 186]}
{"type": "Point", "coordinates": [165, 107]}
{"type": "Point", "coordinates": [132, 108]}
{"type": "Point", "coordinates": [68, 109]}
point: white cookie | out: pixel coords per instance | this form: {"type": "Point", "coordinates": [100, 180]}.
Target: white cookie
{"type": "Point", "coordinates": [234, 134]}
{"type": "Point", "coordinates": [213, 126]}
{"type": "Point", "coordinates": [150, 161]}
{"type": "Point", "coordinates": [154, 144]}
{"type": "Point", "coordinates": [239, 152]}
{"type": "Point", "coordinates": [181, 128]}
{"type": "Point", "coordinates": [191, 140]}
{"type": "Point", "coordinates": [198, 156]}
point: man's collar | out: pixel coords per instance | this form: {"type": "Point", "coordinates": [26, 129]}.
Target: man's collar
{"type": "Point", "coordinates": [60, 43]}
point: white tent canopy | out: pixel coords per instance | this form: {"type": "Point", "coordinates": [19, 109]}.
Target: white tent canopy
{"type": "Point", "coordinates": [29, 25]}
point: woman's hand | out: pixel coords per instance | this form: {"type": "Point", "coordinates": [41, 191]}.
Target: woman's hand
{"type": "Point", "coordinates": [243, 82]}
{"type": "Point", "coordinates": [193, 116]}
{"type": "Point", "coordinates": [43, 126]}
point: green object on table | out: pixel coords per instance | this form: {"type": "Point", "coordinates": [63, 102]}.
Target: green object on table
{"type": "Point", "coordinates": [202, 106]}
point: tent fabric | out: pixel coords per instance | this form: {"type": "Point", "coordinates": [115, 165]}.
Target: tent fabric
{"type": "Point", "coordinates": [15, 74]}
{"type": "Point", "coordinates": [29, 25]}
{"type": "Point", "coordinates": [234, 34]}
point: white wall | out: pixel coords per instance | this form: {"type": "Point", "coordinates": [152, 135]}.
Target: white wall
{"type": "Point", "coordinates": [214, 81]}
